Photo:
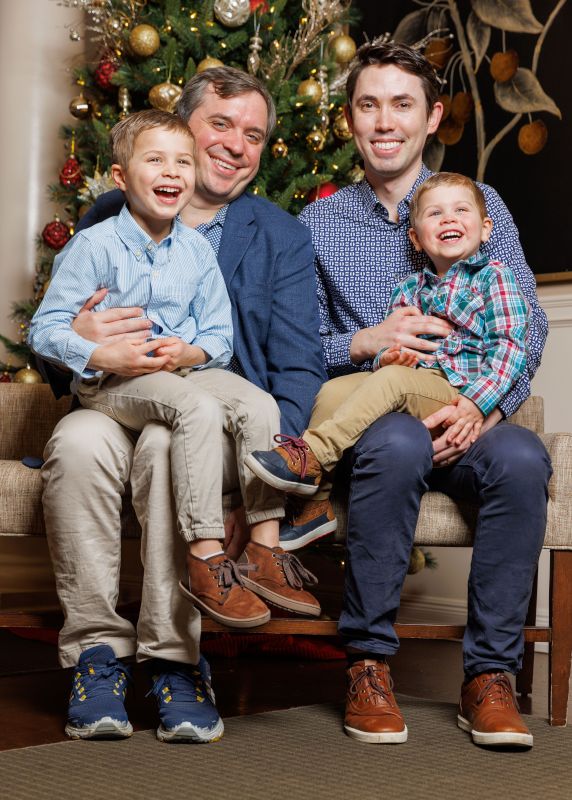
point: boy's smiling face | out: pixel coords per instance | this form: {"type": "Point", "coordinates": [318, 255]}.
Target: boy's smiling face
{"type": "Point", "coordinates": [449, 226]}
{"type": "Point", "coordinates": [159, 180]}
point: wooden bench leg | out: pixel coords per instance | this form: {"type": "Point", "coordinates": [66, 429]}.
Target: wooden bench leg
{"type": "Point", "coordinates": [561, 626]}
{"type": "Point", "coordinates": [526, 674]}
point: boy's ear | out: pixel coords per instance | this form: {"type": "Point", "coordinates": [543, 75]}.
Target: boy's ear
{"type": "Point", "coordinates": [487, 229]}
{"type": "Point", "coordinates": [415, 240]}
{"type": "Point", "coordinates": [118, 176]}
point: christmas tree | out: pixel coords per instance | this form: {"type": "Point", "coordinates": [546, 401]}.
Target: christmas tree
{"type": "Point", "coordinates": [141, 54]}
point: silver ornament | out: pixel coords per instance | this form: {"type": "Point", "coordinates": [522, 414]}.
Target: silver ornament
{"type": "Point", "coordinates": [232, 13]}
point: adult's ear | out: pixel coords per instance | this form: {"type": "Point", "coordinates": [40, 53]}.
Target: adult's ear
{"type": "Point", "coordinates": [434, 118]}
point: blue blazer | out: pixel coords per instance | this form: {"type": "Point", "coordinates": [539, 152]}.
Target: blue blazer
{"type": "Point", "coordinates": [267, 260]}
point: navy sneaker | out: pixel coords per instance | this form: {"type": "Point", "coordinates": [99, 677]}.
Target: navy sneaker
{"type": "Point", "coordinates": [291, 467]}
{"type": "Point", "coordinates": [310, 522]}
{"type": "Point", "coordinates": [186, 702]}
{"type": "Point", "coordinates": [97, 701]}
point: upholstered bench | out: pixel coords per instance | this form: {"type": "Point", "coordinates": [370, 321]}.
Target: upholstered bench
{"type": "Point", "coordinates": [28, 415]}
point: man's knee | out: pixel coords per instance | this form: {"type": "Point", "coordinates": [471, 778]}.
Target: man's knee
{"type": "Point", "coordinates": [399, 440]}
{"type": "Point", "coordinates": [514, 454]}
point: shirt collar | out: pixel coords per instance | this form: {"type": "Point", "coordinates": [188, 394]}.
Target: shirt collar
{"type": "Point", "coordinates": [135, 238]}
{"type": "Point", "coordinates": [472, 264]}
{"type": "Point", "coordinates": [372, 202]}
{"type": "Point", "coordinates": [218, 219]}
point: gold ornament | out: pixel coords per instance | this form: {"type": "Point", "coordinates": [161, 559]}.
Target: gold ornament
{"type": "Point", "coordinates": [124, 101]}
{"type": "Point", "coordinates": [343, 48]}
{"type": "Point", "coordinates": [341, 128]}
{"type": "Point", "coordinates": [356, 174]}
{"type": "Point", "coordinates": [232, 13]}
{"type": "Point", "coordinates": [165, 96]}
{"type": "Point", "coordinates": [416, 561]}
{"type": "Point", "coordinates": [209, 63]}
{"type": "Point", "coordinates": [279, 149]}
{"type": "Point", "coordinates": [144, 40]}
{"type": "Point", "coordinates": [27, 375]}
{"type": "Point", "coordinates": [310, 89]}
{"type": "Point", "coordinates": [316, 140]}
{"type": "Point", "coordinates": [253, 60]}
{"type": "Point", "coordinates": [80, 107]}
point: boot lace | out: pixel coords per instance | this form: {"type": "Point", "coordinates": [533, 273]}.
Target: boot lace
{"type": "Point", "coordinates": [498, 689]}
{"type": "Point", "coordinates": [294, 571]}
{"type": "Point", "coordinates": [368, 681]}
{"type": "Point", "coordinates": [296, 448]}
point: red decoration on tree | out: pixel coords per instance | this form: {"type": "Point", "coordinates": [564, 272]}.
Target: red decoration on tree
{"type": "Point", "coordinates": [56, 234]}
{"type": "Point", "coordinates": [323, 190]}
{"type": "Point", "coordinates": [5, 378]}
{"type": "Point", "coordinates": [70, 174]}
{"type": "Point", "coordinates": [104, 73]}
{"type": "Point", "coordinates": [254, 4]}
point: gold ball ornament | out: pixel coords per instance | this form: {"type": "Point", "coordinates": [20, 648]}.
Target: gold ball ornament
{"type": "Point", "coordinates": [209, 63]}
{"type": "Point", "coordinates": [27, 375]}
{"type": "Point", "coordinates": [341, 128]}
{"type": "Point", "coordinates": [279, 149]}
{"type": "Point", "coordinates": [232, 13]}
{"type": "Point", "coordinates": [80, 107]}
{"type": "Point", "coordinates": [343, 48]}
{"type": "Point", "coordinates": [311, 90]}
{"type": "Point", "coordinates": [316, 140]}
{"type": "Point", "coordinates": [144, 40]}
{"type": "Point", "coordinates": [165, 96]}
{"type": "Point", "coordinates": [416, 561]}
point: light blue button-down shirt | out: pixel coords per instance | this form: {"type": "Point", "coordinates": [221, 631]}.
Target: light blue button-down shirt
{"type": "Point", "coordinates": [177, 282]}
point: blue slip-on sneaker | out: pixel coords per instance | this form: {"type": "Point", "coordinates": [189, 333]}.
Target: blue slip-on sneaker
{"type": "Point", "coordinates": [186, 702]}
{"type": "Point", "coordinates": [291, 467]}
{"type": "Point", "coordinates": [311, 522]}
{"type": "Point", "coordinates": [97, 700]}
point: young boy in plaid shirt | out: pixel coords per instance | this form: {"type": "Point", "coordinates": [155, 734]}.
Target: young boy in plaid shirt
{"type": "Point", "coordinates": [472, 369]}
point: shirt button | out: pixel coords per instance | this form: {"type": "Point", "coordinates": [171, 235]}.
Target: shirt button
{"type": "Point", "coordinates": [150, 246]}
{"type": "Point", "coordinates": [155, 273]}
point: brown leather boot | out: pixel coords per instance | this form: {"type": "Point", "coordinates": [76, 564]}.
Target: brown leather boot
{"type": "Point", "coordinates": [309, 520]}
{"type": "Point", "coordinates": [489, 712]}
{"type": "Point", "coordinates": [291, 467]}
{"type": "Point", "coordinates": [215, 586]}
{"type": "Point", "coordinates": [279, 578]}
{"type": "Point", "coordinates": [372, 713]}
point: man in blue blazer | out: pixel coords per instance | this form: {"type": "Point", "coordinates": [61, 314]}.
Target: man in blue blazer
{"type": "Point", "coordinates": [266, 258]}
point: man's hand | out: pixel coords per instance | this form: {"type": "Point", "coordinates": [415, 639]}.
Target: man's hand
{"type": "Point", "coordinates": [403, 328]}
{"type": "Point", "coordinates": [128, 358]}
{"type": "Point", "coordinates": [180, 354]}
{"type": "Point", "coordinates": [113, 325]}
{"type": "Point", "coordinates": [236, 533]}
{"type": "Point", "coordinates": [397, 356]}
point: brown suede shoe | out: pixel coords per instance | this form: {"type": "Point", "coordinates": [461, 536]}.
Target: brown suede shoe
{"type": "Point", "coordinates": [291, 467]}
{"type": "Point", "coordinates": [489, 712]}
{"type": "Point", "coordinates": [372, 713]}
{"type": "Point", "coordinates": [279, 578]}
{"type": "Point", "coordinates": [216, 588]}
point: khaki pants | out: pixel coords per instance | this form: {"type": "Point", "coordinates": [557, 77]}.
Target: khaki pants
{"type": "Point", "coordinates": [196, 407]}
{"type": "Point", "coordinates": [90, 460]}
{"type": "Point", "coordinates": [345, 407]}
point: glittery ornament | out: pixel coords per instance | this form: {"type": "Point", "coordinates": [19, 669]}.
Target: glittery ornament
{"type": "Point", "coordinates": [343, 48]}
{"type": "Point", "coordinates": [70, 173]}
{"type": "Point", "coordinates": [209, 63]}
{"type": "Point", "coordinates": [105, 71]}
{"type": "Point", "coordinates": [56, 234]}
{"type": "Point", "coordinates": [27, 375]}
{"type": "Point", "coordinates": [316, 140]}
{"type": "Point", "coordinates": [124, 101]}
{"type": "Point", "coordinates": [253, 60]}
{"type": "Point", "coordinates": [5, 377]}
{"type": "Point", "coordinates": [311, 90]}
{"type": "Point", "coordinates": [279, 149]}
{"type": "Point", "coordinates": [232, 13]}
{"type": "Point", "coordinates": [144, 40]}
{"type": "Point", "coordinates": [165, 96]}
{"type": "Point", "coordinates": [80, 107]}
{"type": "Point", "coordinates": [341, 128]}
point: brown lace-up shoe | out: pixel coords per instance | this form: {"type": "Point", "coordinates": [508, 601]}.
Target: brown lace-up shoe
{"type": "Point", "coordinates": [489, 712]}
{"type": "Point", "coordinates": [279, 578]}
{"type": "Point", "coordinates": [291, 467]}
{"type": "Point", "coordinates": [217, 588]}
{"type": "Point", "coordinates": [372, 713]}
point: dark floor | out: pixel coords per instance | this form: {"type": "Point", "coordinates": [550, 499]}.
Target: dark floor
{"type": "Point", "coordinates": [34, 690]}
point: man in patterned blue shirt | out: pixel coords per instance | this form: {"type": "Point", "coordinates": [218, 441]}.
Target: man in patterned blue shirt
{"type": "Point", "coordinates": [360, 236]}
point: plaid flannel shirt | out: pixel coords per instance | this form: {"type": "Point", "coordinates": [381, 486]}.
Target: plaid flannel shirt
{"type": "Point", "coordinates": [485, 354]}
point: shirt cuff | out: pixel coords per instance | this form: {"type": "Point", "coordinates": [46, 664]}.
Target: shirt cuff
{"type": "Point", "coordinates": [77, 354]}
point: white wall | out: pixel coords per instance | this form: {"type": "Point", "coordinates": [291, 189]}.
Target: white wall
{"type": "Point", "coordinates": [36, 86]}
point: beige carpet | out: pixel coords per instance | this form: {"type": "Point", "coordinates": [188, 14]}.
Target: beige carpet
{"type": "Point", "coordinates": [293, 755]}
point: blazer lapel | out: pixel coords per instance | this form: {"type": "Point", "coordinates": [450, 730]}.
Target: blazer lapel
{"type": "Point", "coordinates": [239, 228]}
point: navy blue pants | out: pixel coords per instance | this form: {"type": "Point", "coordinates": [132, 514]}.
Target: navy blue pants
{"type": "Point", "coordinates": [505, 473]}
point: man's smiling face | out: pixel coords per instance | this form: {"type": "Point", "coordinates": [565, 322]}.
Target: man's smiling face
{"type": "Point", "coordinates": [390, 123]}
{"type": "Point", "coordinates": [229, 138]}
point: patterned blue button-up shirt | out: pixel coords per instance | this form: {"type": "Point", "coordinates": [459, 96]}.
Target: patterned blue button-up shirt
{"type": "Point", "coordinates": [485, 353]}
{"type": "Point", "coordinates": [177, 282]}
{"type": "Point", "coordinates": [361, 255]}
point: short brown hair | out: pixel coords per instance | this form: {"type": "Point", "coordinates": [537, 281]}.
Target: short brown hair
{"type": "Point", "coordinates": [124, 134]}
{"type": "Point", "coordinates": [446, 179]}
{"type": "Point", "coordinates": [226, 82]}
{"type": "Point", "coordinates": [402, 56]}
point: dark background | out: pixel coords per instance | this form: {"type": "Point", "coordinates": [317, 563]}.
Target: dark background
{"type": "Point", "coordinates": [535, 188]}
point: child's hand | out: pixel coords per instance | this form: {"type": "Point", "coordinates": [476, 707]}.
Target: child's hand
{"type": "Point", "coordinates": [464, 424]}
{"type": "Point", "coordinates": [180, 354]}
{"type": "Point", "coordinates": [396, 355]}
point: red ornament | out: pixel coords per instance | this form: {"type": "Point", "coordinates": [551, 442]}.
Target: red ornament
{"type": "Point", "coordinates": [104, 73]}
{"type": "Point", "coordinates": [5, 378]}
{"type": "Point", "coordinates": [56, 234]}
{"type": "Point", "coordinates": [70, 174]}
{"type": "Point", "coordinates": [323, 190]}
{"type": "Point", "coordinates": [254, 4]}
